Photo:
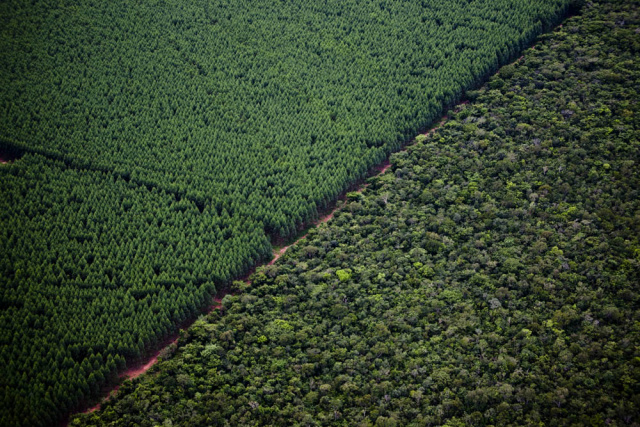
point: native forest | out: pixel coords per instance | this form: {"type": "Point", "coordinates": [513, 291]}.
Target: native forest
{"type": "Point", "coordinates": [370, 213]}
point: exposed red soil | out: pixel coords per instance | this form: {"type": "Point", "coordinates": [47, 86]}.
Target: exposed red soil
{"type": "Point", "coordinates": [95, 408]}
{"type": "Point", "coordinates": [136, 371]}
{"type": "Point", "coordinates": [281, 251]}
{"type": "Point", "coordinates": [325, 218]}
{"type": "Point", "coordinates": [443, 120]}
{"type": "Point", "coordinates": [382, 167]}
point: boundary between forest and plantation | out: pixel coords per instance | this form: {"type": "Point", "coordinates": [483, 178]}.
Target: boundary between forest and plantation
{"type": "Point", "coordinates": [280, 245]}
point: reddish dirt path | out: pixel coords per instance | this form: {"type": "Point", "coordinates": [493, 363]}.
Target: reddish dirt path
{"type": "Point", "coordinates": [387, 165]}
{"type": "Point", "coordinates": [277, 254]}
{"type": "Point", "coordinates": [136, 371]}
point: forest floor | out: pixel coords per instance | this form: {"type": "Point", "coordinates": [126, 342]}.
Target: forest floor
{"type": "Point", "coordinates": [136, 371]}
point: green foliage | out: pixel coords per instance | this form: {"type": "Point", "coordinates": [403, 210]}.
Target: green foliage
{"type": "Point", "coordinates": [530, 312]}
{"type": "Point", "coordinates": [343, 275]}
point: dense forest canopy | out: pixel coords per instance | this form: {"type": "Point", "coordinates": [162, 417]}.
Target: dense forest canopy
{"type": "Point", "coordinates": [492, 277]}
{"type": "Point", "coordinates": [164, 142]}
